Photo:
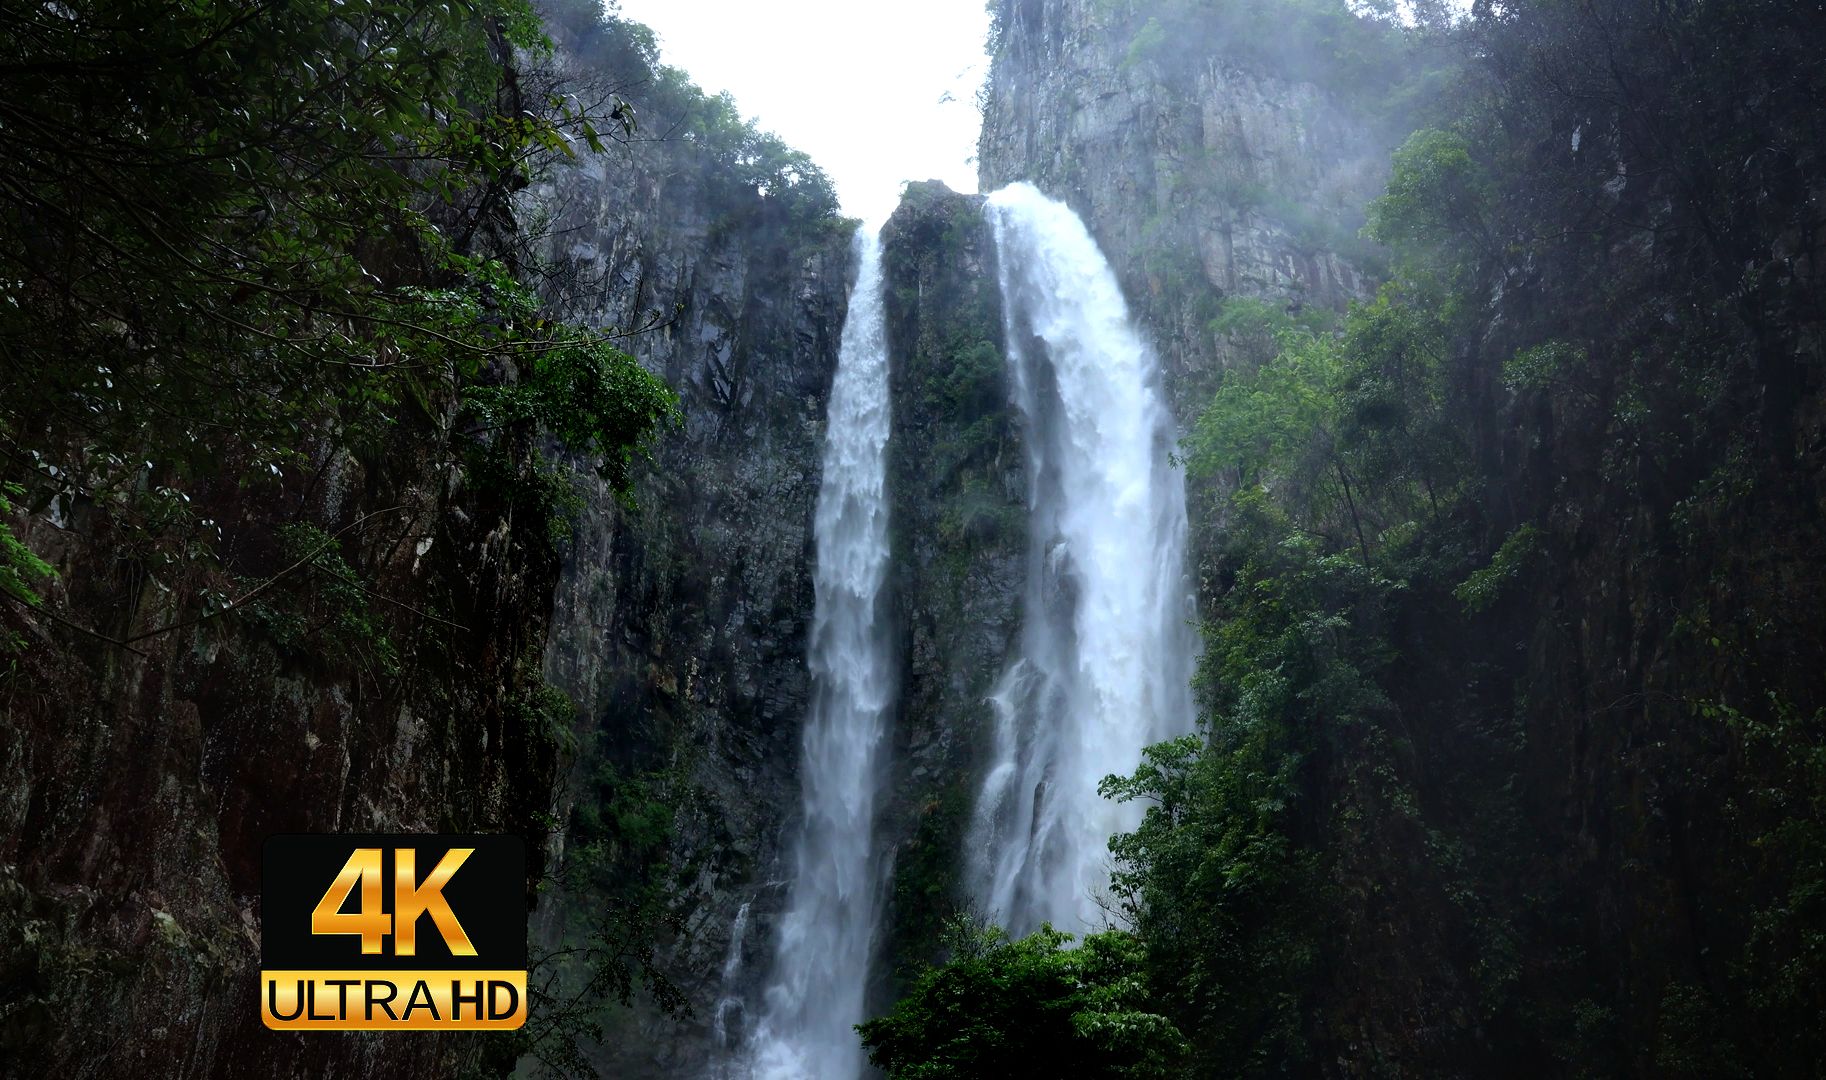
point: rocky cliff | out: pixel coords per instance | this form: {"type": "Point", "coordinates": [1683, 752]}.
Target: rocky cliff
{"type": "Point", "coordinates": [681, 618]}
{"type": "Point", "coordinates": [681, 621]}
{"type": "Point", "coordinates": [398, 671]}
{"type": "Point", "coordinates": [957, 477]}
{"type": "Point", "coordinates": [1207, 168]}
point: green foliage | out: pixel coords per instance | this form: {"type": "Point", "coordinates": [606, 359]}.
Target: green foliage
{"type": "Point", "coordinates": [1783, 825]}
{"type": "Point", "coordinates": [1550, 364]}
{"type": "Point", "coordinates": [1226, 880]}
{"type": "Point", "coordinates": [1484, 586]}
{"type": "Point", "coordinates": [973, 385]}
{"type": "Point", "coordinates": [19, 566]}
{"type": "Point", "coordinates": [1436, 193]}
{"type": "Point", "coordinates": [1250, 316]}
{"type": "Point", "coordinates": [1327, 42]}
{"type": "Point", "coordinates": [1027, 1008]}
{"type": "Point", "coordinates": [549, 714]}
{"type": "Point", "coordinates": [622, 836]}
{"type": "Point", "coordinates": [965, 386]}
{"type": "Point", "coordinates": [1689, 1045]}
{"type": "Point", "coordinates": [927, 880]}
{"type": "Point", "coordinates": [618, 868]}
{"type": "Point", "coordinates": [236, 159]}
{"type": "Point", "coordinates": [759, 162]}
{"type": "Point", "coordinates": [1219, 896]}
{"type": "Point", "coordinates": [1149, 41]}
{"type": "Point", "coordinates": [1263, 418]}
{"type": "Point", "coordinates": [594, 398]}
{"type": "Point", "coordinates": [753, 176]}
{"type": "Point", "coordinates": [1173, 266]}
{"type": "Point", "coordinates": [954, 378]}
{"type": "Point", "coordinates": [323, 607]}
{"type": "Point", "coordinates": [271, 236]}
{"type": "Point", "coordinates": [1348, 430]}
{"type": "Point", "coordinates": [1597, 225]}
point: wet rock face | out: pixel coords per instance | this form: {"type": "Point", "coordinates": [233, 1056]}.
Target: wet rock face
{"type": "Point", "coordinates": [1201, 176]}
{"type": "Point", "coordinates": [141, 780]}
{"type": "Point", "coordinates": [680, 623]}
{"type": "Point", "coordinates": [957, 480]}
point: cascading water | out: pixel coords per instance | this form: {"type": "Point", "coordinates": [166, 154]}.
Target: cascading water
{"type": "Point", "coordinates": [732, 969]}
{"type": "Point", "coordinates": [826, 935]}
{"type": "Point", "coordinates": [1107, 648]}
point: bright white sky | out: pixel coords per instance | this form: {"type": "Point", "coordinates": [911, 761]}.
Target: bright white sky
{"type": "Point", "coordinates": [876, 93]}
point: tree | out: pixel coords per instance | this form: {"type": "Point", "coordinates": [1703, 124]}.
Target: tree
{"type": "Point", "coordinates": [1028, 1008]}
{"type": "Point", "coordinates": [242, 232]}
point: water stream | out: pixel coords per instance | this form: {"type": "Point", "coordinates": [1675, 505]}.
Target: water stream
{"type": "Point", "coordinates": [1108, 643]}
{"type": "Point", "coordinates": [826, 934]}
{"type": "Point", "coordinates": [1104, 662]}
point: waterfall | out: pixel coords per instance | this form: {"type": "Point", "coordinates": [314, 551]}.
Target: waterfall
{"type": "Point", "coordinates": [1107, 649]}
{"type": "Point", "coordinates": [826, 934]}
{"type": "Point", "coordinates": [732, 970]}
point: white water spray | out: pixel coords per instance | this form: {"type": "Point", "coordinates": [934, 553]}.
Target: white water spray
{"type": "Point", "coordinates": [1107, 646]}
{"type": "Point", "coordinates": [826, 935]}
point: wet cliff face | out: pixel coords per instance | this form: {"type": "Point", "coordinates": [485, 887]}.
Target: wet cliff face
{"type": "Point", "coordinates": [1204, 173]}
{"type": "Point", "coordinates": [142, 778]}
{"type": "Point", "coordinates": [957, 478]}
{"type": "Point", "coordinates": [680, 624]}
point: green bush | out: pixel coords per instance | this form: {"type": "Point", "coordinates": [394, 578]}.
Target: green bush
{"type": "Point", "coordinates": [1029, 1008]}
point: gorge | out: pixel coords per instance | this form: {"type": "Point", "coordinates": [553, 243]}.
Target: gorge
{"type": "Point", "coordinates": [1333, 530]}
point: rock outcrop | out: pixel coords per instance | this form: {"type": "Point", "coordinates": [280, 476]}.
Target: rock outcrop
{"type": "Point", "coordinates": [681, 621]}
{"type": "Point", "coordinates": [957, 477]}
{"type": "Point", "coordinates": [1205, 172]}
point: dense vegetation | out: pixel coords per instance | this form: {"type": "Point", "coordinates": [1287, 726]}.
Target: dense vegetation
{"type": "Point", "coordinates": [253, 221]}
{"type": "Point", "coordinates": [249, 243]}
{"type": "Point", "coordinates": [1513, 712]}
{"type": "Point", "coordinates": [1033, 1007]}
{"type": "Point", "coordinates": [287, 382]}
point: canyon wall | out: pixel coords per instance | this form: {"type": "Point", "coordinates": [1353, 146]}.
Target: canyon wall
{"type": "Point", "coordinates": [1206, 170]}
{"type": "Point", "coordinates": [681, 621]}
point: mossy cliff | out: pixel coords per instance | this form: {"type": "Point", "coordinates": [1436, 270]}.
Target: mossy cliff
{"type": "Point", "coordinates": [957, 477]}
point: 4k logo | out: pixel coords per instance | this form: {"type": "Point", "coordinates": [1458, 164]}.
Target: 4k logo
{"type": "Point", "coordinates": [354, 938]}
{"type": "Point", "coordinates": [409, 902]}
